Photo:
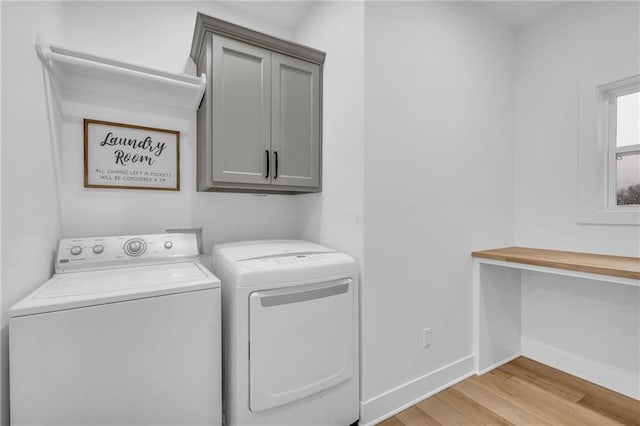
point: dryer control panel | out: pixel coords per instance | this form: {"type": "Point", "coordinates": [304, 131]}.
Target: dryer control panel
{"type": "Point", "coordinates": [81, 254]}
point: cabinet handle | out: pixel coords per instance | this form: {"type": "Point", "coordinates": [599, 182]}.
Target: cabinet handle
{"type": "Point", "coordinates": [275, 175]}
{"type": "Point", "coordinates": [267, 155]}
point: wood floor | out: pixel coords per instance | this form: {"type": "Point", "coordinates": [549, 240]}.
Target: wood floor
{"type": "Point", "coordinates": [522, 392]}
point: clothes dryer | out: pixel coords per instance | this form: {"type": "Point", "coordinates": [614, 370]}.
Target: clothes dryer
{"type": "Point", "coordinates": [290, 334]}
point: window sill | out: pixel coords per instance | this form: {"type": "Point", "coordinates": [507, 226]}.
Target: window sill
{"type": "Point", "coordinates": [621, 216]}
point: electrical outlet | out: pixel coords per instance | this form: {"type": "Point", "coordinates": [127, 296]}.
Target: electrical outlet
{"type": "Point", "coordinates": [426, 337]}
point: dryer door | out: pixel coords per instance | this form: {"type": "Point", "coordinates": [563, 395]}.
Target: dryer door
{"type": "Point", "coordinates": [301, 341]}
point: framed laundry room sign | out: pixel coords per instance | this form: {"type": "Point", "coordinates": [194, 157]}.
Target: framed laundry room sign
{"type": "Point", "coordinates": [127, 156]}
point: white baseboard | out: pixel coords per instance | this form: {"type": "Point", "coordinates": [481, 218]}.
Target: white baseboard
{"type": "Point", "coordinates": [401, 397]}
{"type": "Point", "coordinates": [498, 364]}
{"type": "Point", "coordinates": [621, 381]}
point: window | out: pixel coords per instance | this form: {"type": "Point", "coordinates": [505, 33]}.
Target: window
{"type": "Point", "coordinates": [624, 146]}
{"type": "Point", "coordinates": [609, 147]}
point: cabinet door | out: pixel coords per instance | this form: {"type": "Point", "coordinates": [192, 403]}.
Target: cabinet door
{"type": "Point", "coordinates": [241, 112]}
{"type": "Point", "coordinates": [295, 118]}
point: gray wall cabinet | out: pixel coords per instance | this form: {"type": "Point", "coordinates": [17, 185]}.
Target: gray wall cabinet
{"type": "Point", "coordinates": [260, 121]}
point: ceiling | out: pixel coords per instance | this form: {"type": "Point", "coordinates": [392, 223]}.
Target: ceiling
{"type": "Point", "coordinates": [288, 14]}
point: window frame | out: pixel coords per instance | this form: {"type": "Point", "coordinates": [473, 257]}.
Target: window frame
{"type": "Point", "coordinates": [610, 94]}
{"type": "Point", "coordinates": [594, 142]}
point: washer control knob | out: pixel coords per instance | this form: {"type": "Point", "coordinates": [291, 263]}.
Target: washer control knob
{"type": "Point", "coordinates": [76, 250]}
{"type": "Point", "coordinates": [168, 244]}
{"type": "Point", "coordinates": [135, 247]}
{"type": "Point", "coordinates": [98, 248]}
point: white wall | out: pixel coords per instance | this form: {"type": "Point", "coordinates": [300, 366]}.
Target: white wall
{"type": "Point", "coordinates": [157, 35]}
{"type": "Point", "coordinates": [588, 328]}
{"type": "Point", "coordinates": [30, 220]}
{"type": "Point", "coordinates": [554, 55]}
{"type": "Point", "coordinates": [334, 217]}
{"type": "Point", "coordinates": [438, 184]}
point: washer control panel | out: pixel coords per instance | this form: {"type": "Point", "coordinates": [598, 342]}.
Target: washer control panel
{"type": "Point", "coordinates": [119, 251]}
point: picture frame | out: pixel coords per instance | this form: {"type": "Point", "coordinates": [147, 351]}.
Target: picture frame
{"type": "Point", "coordinates": [128, 156]}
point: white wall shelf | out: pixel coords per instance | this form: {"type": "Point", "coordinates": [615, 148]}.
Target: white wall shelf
{"type": "Point", "coordinates": [84, 72]}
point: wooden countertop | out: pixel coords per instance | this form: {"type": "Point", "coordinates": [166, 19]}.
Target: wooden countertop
{"type": "Point", "coordinates": [617, 266]}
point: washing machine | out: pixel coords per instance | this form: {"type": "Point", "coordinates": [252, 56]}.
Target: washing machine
{"type": "Point", "coordinates": [290, 334]}
{"type": "Point", "coordinates": [126, 332]}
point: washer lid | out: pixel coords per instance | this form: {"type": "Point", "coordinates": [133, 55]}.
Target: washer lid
{"type": "Point", "coordinates": [89, 288]}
